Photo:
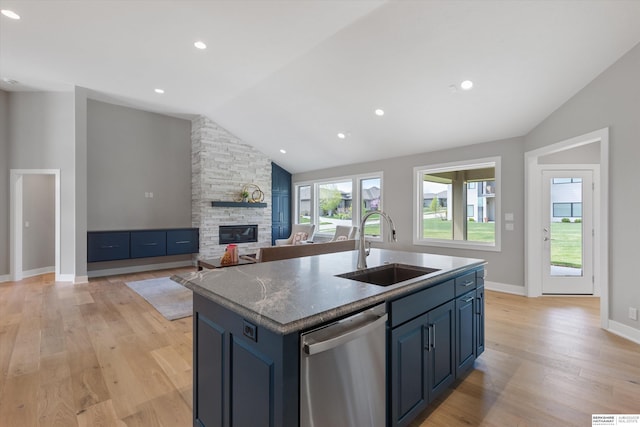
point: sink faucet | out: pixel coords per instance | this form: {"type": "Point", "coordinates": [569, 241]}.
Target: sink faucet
{"type": "Point", "coordinates": [362, 252]}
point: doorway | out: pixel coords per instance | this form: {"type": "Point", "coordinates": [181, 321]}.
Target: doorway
{"type": "Point", "coordinates": [16, 220]}
{"type": "Point", "coordinates": [567, 231]}
{"type": "Point", "coordinates": [534, 235]}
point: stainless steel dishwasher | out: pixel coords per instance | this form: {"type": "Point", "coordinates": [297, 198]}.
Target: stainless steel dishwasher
{"type": "Point", "coordinates": [342, 372]}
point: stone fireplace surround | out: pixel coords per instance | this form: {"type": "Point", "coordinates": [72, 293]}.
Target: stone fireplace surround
{"type": "Point", "coordinates": [221, 164]}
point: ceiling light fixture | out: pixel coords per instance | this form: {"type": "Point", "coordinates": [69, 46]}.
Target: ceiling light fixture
{"type": "Point", "coordinates": [10, 81]}
{"type": "Point", "coordinates": [10, 14]}
{"type": "Point", "coordinates": [283, 151]}
{"type": "Point", "coordinates": [160, 91]}
{"type": "Point", "coordinates": [200, 45]}
{"type": "Point", "coordinates": [379, 112]}
{"type": "Point", "coordinates": [341, 135]}
{"type": "Point", "coordinates": [466, 85]}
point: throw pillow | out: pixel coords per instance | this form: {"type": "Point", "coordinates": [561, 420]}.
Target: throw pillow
{"type": "Point", "coordinates": [341, 238]}
{"type": "Point", "coordinates": [299, 238]}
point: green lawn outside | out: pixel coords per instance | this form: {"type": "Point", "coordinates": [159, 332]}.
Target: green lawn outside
{"type": "Point", "coordinates": [436, 228]}
{"type": "Point", "coordinates": [566, 247]}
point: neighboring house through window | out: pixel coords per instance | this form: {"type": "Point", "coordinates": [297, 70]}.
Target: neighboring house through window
{"type": "Point", "coordinates": [458, 205]}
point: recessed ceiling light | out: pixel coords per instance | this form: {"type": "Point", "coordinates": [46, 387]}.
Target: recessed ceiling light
{"type": "Point", "coordinates": [160, 91]}
{"type": "Point", "coordinates": [466, 85]}
{"type": "Point", "coordinates": [379, 112]}
{"type": "Point", "coordinates": [200, 45]}
{"type": "Point", "coordinates": [10, 14]}
{"type": "Point", "coordinates": [283, 151]}
{"type": "Point", "coordinates": [342, 135]}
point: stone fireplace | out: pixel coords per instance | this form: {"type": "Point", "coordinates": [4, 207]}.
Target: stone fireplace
{"type": "Point", "coordinates": [221, 164]}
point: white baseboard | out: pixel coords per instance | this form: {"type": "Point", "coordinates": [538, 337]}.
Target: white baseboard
{"type": "Point", "coordinates": [38, 271]}
{"type": "Point", "coordinates": [503, 287]}
{"type": "Point", "coordinates": [80, 279]}
{"type": "Point", "coordinates": [65, 278]}
{"type": "Point", "coordinates": [5, 278]}
{"type": "Point", "coordinates": [140, 268]}
{"type": "Point", "coordinates": [627, 332]}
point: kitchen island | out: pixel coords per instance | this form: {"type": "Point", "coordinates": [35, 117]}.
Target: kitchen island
{"type": "Point", "coordinates": [248, 321]}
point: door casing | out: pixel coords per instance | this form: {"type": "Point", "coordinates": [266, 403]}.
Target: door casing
{"type": "Point", "coordinates": [601, 217]}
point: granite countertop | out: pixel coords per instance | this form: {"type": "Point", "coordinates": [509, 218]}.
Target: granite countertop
{"type": "Point", "coordinates": [297, 294]}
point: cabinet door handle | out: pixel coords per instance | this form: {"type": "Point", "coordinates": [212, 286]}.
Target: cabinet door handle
{"type": "Point", "coordinates": [183, 242]}
{"type": "Point", "coordinates": [426, 336]}
{"type": "Point", "coordinates": [109, 246]}
{"type": "Point", "coordinates": [433, 331]}
{"type": "Point", "coordinates": [468, 299]}
{"type": "Point", "coordinates": [150, 244]}
{"type": "Point", "coordinates": [467, 284]}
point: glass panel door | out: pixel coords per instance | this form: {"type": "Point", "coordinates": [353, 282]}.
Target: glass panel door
{"type": "Point", "coordinates": [567, 230]}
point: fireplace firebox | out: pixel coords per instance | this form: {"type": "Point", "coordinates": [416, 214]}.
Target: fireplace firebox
{"type": "Point", "coordinates": [237, 234]}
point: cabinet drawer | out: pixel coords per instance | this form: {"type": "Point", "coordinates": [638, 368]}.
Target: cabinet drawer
{"type": "Point", "coordinates": [413, 305]}
{"type": "Point", "coordinates": [465, 283]}
{"type": "Point", "coordinates": [107, 246]}
{"type": "Point", "coordinates": [148, 243]}
{"type": "Point", "coordinates": [480, 278]}
{"type": "Point", "coordinates": [182, 241]}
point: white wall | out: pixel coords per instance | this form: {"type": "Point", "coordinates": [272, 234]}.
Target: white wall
{"type": "Point", "coordinates": [42, 136]}
{"type": "Point", "coordinates": [507, 266]}
{"type": "Point", "coordinates": [4, 184]}
{"type": "Point", "coordinates": [612, 99]}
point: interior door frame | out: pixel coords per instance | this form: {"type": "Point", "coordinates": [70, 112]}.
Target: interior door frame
{"type": "Point", "coordinates": [16, 220]}
{"type": "Point", "coordinates": [533, 194]}
{"type": "Point", "coordinates": [595, 179]}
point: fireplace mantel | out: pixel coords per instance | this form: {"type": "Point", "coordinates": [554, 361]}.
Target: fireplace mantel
{"type": "Point", "coordinates": [221, 204]}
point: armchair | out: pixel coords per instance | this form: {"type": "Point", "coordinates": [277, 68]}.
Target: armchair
{"type": "Point", "coordinates": [298, 228]}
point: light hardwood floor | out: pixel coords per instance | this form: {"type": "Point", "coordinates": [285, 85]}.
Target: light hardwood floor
{"type": "Point", "coordinates": [97, 354]}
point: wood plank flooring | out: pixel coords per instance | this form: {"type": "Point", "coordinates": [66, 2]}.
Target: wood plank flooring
{"type": "Point", "coordinates": [97, 354]}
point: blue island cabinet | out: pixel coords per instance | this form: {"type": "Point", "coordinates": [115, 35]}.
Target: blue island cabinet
{"type": "Point", "coordinates": [244, 374]}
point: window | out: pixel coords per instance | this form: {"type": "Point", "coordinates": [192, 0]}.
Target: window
{"type": "Point", "coordinates": [458, 205]}
{"type": "Point", "coordinates": [340, 201]}
{"type": "Point", "coordinates": [566, 180]}
{"type": "Point", "coordinates": [303, 200]}
{"type": "Point", "coordinates": [370, 202]}
{"type": "Point", "coordinates": [567, 210]}
{"type": "Point", "coordinates": [334, 206]}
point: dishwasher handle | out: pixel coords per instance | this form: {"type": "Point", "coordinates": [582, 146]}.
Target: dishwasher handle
{"type": "Point", "coordinates": [333, 342]}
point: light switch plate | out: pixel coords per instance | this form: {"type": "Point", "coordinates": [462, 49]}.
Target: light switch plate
{"type": "Point", "coordinates": [508, 226]}
{"type": "Point", "coordinates": [508, 216]}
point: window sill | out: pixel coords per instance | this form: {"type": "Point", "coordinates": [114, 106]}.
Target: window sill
{"type": "Point", "coordinates": [474, 246]}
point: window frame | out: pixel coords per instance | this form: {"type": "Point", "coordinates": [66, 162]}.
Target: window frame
{"type": "Point", "coordinates": [356, 197]}
{"type": "Point", "coordinates": [418, 174]}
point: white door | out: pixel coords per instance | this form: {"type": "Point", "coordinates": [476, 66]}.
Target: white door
{"type": "Point", "coordinates": [567, 232]}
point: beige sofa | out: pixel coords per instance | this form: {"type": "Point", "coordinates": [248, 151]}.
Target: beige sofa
{"type": "Point", "coordinates": [275, 253]}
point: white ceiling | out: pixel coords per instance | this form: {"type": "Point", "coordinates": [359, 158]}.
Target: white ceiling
{"type": "Point", "coordinates": [292, 74]}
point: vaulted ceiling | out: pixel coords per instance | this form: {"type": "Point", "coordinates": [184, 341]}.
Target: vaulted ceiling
{"type": "Point", "coordinates": [291, 75]}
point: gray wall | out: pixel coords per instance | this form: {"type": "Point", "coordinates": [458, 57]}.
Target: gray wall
{"type": "Point", "coordinates": [38, 210]}
{"type": "Point", "coordinates": [506, 266]}
{"type": "Point", "coordinates": [612, 99]}
{"type": "Point", "coordinates": [4, 183]}
{"type": "Point", "coordinates": [132, 152]}
{"type": "Point", "coordinates": [42, 136]}
{"type": "Point", "coordinates": [585, 155]}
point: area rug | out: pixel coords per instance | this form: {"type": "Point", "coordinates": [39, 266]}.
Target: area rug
{"type": "Point", "coordinates": [172, 300]}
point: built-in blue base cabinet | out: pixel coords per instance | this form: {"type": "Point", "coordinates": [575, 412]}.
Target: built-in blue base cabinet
{"type": "Point", "coordinates": [422, 362]}
{"type": "Point", "coordinates": [240, 376]}
{"type": "Point", "coordinates": [439, 344]}
{"type": "Point", "coordinates": [248, 376]}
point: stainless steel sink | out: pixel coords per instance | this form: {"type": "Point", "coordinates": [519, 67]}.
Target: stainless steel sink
{"type": "Point", "coordinates": [388, 274]}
